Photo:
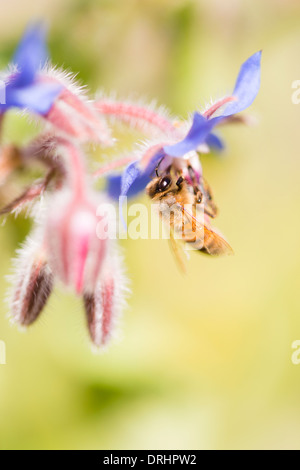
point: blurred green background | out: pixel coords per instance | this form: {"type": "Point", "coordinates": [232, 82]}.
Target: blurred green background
{"type": "Point", "coordinates": [205, 360]}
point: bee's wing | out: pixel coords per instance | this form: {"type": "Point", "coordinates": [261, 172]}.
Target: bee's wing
{"type": "Point", "coordinates": [214, 244]}
{"type": "Point", "coordinates": [204, 238]}
{"type": "Point", "coordinates": [178, 252]}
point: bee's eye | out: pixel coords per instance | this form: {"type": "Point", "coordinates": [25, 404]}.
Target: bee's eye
{"type": "Point", "coordinates": [164, 183]}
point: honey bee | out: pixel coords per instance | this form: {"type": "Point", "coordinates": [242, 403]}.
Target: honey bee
{"type": "Point", "coordinates": [179, 199]}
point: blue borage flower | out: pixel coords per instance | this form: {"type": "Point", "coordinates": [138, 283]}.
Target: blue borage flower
{"type": "Point", "coordinates": [24, 88]}
{"type": "Point", "coordinates": [135, 178]}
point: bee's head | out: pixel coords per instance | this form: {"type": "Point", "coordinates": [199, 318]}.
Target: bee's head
{"type": "Point", "coordinates": [162, 184]}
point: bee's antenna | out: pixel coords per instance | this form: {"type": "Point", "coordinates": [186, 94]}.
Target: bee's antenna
{"type": "Point", "coordinates": [156, 169]}
{"type": "Point", "coordinates": [179, 181]}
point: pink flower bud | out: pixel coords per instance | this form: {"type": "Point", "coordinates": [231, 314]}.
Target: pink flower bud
{"type": "Point", "coordinates": [103, 306]}
{"type": "Point", "coordinates": [32, 284]}
{"type": "Point", "coordinates": [99, 312]}
{"type": "Point", "coordinates": [75, 252]}
{"type": "Point", "coordinates": [73, 115]}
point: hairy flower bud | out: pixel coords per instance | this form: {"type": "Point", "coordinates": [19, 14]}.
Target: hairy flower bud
{"type": "Point", "coordinates": [99, 307]}
{"type": "Point", "coordinates": [33, 282]}
{"type": "Point", "coordinates": [73, 115]}
{"type": "Point", "coordinates": [103, 306]}
{"type": "Point", "coordinates": [75, 252]}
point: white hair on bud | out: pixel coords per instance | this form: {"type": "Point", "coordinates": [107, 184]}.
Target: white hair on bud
{"type": "Point", "coordinates": [20, 277]}
{"type": "Point", "coordinates": [113, 270]}
{"type": "Point", "coordinates": [73, 114]}
{"type": "Point", "coordinates": [138, 121]}
{"type": "Point", "coordinates": [67, 78]}
{"type": "Point", "coordinates": [6, 73]}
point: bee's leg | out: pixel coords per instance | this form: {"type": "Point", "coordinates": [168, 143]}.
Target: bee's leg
{"type": "Point", "coordinates": [210, 207]}
{"type": "Point", "coordinates": [199, 196]}
{"type": "Point", "coordinates": [198, 193]}
{"type": "Point", "coordinates": [192, 175]}
{"type": "Point", "coordinates": [210, 211]}
{"type": "Point", "coordinates": [207, 190]}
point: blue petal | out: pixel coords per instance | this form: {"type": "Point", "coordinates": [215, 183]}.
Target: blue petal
{"type": "Point", "coordinates": [129, 175]}
{"type": "Point", "coordinates": [133, 180]}
{"type": "Point", "coordinates": [215, 142]}
{"type": "Point", "coordinates": [246, 89]}
{"type": "Point", "coordinates": [247, 85]}
{"type": "Point", "coordinates": [31, 54]}
{"type": "Point", "coordinates": [113, 187]}
{"type": "Point", "coordinates": [130, 183]}
{"type": "Point", "coordinates": [38, 97]}
{"type": "Point", "coordinates": [196, 136]}
{"type": "Point", "coordinates": [138, 185]}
